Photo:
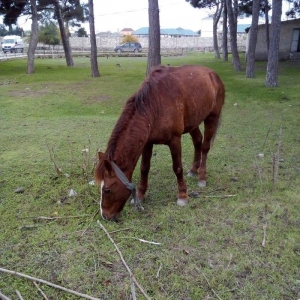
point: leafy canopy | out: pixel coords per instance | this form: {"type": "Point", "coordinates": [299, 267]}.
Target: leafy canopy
{"type": "Point", "coordinates": [49, 34]}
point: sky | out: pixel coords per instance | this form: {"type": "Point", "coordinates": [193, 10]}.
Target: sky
{"type": "Point", "coordinates": [114, 15]}
{"type": "Point", "coordinates": [118, 14]}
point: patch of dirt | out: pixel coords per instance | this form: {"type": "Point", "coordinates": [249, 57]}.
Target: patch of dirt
{"type": "Point", "coordinates": [96, 99]}
{"type": "Point", "coordinates": [17, 94]}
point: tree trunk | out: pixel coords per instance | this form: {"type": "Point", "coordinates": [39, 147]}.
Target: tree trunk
{"type": "Point", "coordinates": [225, 32]}
{"type": "Point", "coordinates": [267, 23]}
{"type": "Point", "coordinates": [33, 38]}
{"type": "Point", "coordinates": [154, 58]}
{"type": "Point", "coordinates": [94, 62]}
{"type": "Point", "coordinates": [232, 16]}
{"type": "Point", "coordinates": [252, 40]}
{"type": "Point", "coordinates": [216, 19]}
{"type": "Point", "coordinates": [64, 36]}
{"type": "Point", "coordinates": [273, 55]}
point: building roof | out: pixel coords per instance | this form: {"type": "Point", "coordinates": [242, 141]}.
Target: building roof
{"type": "Point", "coordinates": [242, 28]}
{"type": "Point", "coordinates": [167, 31]}
{"type": "Point", "coordinates": [127, 29]}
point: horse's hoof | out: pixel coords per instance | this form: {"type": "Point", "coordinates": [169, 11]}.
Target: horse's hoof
{"type": "Point", "coordinates": [202, 183]}
{"type": "Point", "coordinates": [192, 174]}
{"type": "Point", "coordinates": [182, 202]}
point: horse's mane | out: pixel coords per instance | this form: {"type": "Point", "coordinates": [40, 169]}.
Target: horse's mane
{"type": "Point", "coordinates": [126, 115]}
{"type": "Point", "coordinates": [144, 102]}
{"type": "Point", "coordinates": [148, 96]}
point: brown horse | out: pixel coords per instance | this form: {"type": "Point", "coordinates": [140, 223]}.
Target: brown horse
{"type": "Point", "coordinates": [170, 102]}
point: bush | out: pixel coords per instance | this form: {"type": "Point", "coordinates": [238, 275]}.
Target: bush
{"type": "Point", "coordinates": [129, 38]}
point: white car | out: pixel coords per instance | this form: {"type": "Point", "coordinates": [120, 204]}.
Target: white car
{"type": "Point", "coordinates": [12, 43]}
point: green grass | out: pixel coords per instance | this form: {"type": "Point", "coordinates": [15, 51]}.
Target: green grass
{"type": "Point", "coordinates": [211, 248]}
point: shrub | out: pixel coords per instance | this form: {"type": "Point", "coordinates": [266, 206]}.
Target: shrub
{"type": "Point", "coordinates": [129, 38]}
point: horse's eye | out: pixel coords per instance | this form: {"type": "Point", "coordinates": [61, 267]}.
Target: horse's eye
{"type": "Point", "coordinates": [106, 191]}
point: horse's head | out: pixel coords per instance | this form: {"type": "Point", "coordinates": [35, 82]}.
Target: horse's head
{"type": "Point", "coordinates": [113, 192]}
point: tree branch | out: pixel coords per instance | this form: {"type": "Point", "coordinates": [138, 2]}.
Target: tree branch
{"type": "Point", "coordinates": [47, 283]}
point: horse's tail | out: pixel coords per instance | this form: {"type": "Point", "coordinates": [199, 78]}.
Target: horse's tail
{"type": "Point", "coordinates": [218, 101]}
{"type": "Point", "coordinates": [219, 89]}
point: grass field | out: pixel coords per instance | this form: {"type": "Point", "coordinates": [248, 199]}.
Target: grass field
{"type": "Point", "coordinates": [239, 238]}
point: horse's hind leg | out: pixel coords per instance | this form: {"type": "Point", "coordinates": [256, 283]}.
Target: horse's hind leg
{"type": "Point", "coordinates": [197, 141]}
{"type": "Point", "coordinates": [210, 129]}
{"type": "Point", "coordinates": [145, 167]}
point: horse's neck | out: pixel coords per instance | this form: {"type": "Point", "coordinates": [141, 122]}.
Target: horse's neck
{"type": "Point", "coordinates": [129, 146]}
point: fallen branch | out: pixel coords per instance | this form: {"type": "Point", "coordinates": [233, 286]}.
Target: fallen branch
{"type": "Point", "coordinates": [3, 297]}
{"type": "Point", "coordinates": [124, 262]}
{"type": "Point", "coordinates": [47, 283]}
{"type": "Point", "coordinates": [132, 286]}
{"type": "Point", "coordinates": [41, 291]}
{"type": "Point", "coordinates": [19, 295]}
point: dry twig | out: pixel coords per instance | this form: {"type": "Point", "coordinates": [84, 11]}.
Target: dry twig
{"type": "Point", "coordinates": [3, 297]}
{"type": "Point", "coordinates": [132, 286]}
{"type": "Point", "coordinates": [19, 295]}
{"type": "Point", "coordinates": [93, 216]}
{"type": "Point", "coordinates": [124, 262]}
{"type": "Point", "coordinates": [256, 165]}
{"type": "Point", "coordinates": [52, 157]}
{"type": "Point", "coordinates": [158, 271]}
{"type": "Point", "coordinates": [266, 137]}
{"type": "Point", "coordinates": [57, 218]}
{"type": "Point", "coordinates": [275, 159]}
{"type": "Point", "coordinates": [211, 287]}
{"type": "Point", "coordinates": [47, 283]}
{"type": "Point", "coordinates": [41, 291]}
{"type": "Point", "coordinates": [220, 196]}
{"type": "Point", "coordinates": [122, 229]}
{"type": "Point", "coordinates": [265, 235]}
{"type": "Point", "coordinates": [141, 240]}
{"type": "Point", "coordinates": [230, 258]}
{"type": "Point", "coordinates": [209, 283]}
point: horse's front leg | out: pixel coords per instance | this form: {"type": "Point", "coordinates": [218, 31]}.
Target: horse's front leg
{"type": "Point", "coordinates": [175, 148]}
{"type": "Point", "coordinates": [145, 167]}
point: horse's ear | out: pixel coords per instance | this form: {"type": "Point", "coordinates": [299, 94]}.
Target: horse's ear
{"type": "Point", "coordinates": [100, 155]}
{"type": "Point", "coordinates": [107, 166]}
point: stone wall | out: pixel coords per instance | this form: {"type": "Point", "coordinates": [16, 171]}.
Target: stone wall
{"type": "Point", "coordinates": [166, 43]}
{"type": "Point", "coordinates": [186, 43]}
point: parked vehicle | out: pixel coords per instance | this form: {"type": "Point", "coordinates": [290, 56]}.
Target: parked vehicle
{"type": "Point", "coordinates": [12, 43]}
{"type": "Point", "coordinates": [128, 47]}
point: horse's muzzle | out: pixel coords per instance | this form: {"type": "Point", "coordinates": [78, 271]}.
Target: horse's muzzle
{"type": "Point", "coordinates": [113, 218]}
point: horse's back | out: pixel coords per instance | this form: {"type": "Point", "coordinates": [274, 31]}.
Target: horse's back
{"type": "Point", "coordinates": [190, 94]}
